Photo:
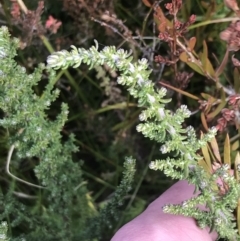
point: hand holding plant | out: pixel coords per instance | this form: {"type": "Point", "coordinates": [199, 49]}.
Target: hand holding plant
{"type": "Point", "coordinates": [154, 224]}
{"type": "Point", "coordinates": [193, 155]}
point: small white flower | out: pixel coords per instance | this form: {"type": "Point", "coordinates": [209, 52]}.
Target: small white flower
{"type": "Point", "coordinates": [161, 113]}
{"type": "Point", "coordinates": [52, 59]}
{"type": "Point", "coordinates": [218, 220]}
{"type": "Point", "coordinates": [203, 184]}
{"type": "Point", "coordinates": [3, 53]}
{"type": "Point", "coordinates": [225, 166]}
{"type": "Point", "coordinates": [225, 175]}
{"type": "Point", "coordinates": [139, 128]}
{"type": "Point", "coordinates": [189, 129]}
{"type": "Point", "coordinates": [212, 131]}
{"type": "Point", "coordinates": [4, 29]}
{"type": "Point", "coordinates": [129, 160]}
{"type": "Point", "coordinates": [164, 149]}
{"type": "Point", "coordinates": [189, 157]}
{"type": "Point", "coordinates": [165, 208]}
{"type": "Point", "coordinates": [140, 80]}
{"type": "Point", "coordinates": [4, 224]}
{"type": "Point", "coordinates": [142, 116]}
{"type": "Point", "coordinates": [47, 103]}
{"type": "Point", "coordinates": [184, 204]}
{"type": "Point", "coordinates": [163, 91]}
{"type": "Point", "coordinates": [39, 129]}
{"type": "Point", "coordinates": [151, 98]}
{"type": "Point", "coordinates": [171, 130]}
{"type": "Point", "coordinates": [152, 165]}
{"type": "Point", "coordinates": [185, 110]}
{"type": "Point", "coordinates": [143, 61]}
{"type": "Point", "coordinates": [131, 68]}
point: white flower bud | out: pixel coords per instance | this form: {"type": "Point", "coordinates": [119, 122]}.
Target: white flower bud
{"type": "Point", "coordinates": [163, 91]}
{"type": "Point", "coordinates": [161, 113]}
{"type": "Point", "coordinates": [165, 208]}
{"type": "Point", "coordinates": [3, 53]}
{"type": "Point", "coordinates": [171, 130]}
{"type": "Point", "coordinates": [140, 80]}
{"type": "Point", "coordinates": [131, 68]}
{"type": "Point", "coordinates": [151, 98]}
{"type": "Point", "coordinates": [185, 110]}
{"type": "Point", "coordinates": [142, 116]}
{"type": "Point", "coordinates": [164, 149]}
{"type": "Point", "coordinates": [52, 60]}
{"type": "Point", "coordinates": [152, 165]}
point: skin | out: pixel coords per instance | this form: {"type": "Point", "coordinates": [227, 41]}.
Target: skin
{"type": "Point", "coordinates": [154, 225]}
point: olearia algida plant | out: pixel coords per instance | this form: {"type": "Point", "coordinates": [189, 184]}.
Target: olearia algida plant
{"type": "Point", "coordinates": [165, 127]}
{"type": "Point", "coordinates": [30, 134]}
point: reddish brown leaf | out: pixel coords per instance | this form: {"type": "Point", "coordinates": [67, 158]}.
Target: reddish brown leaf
{"type": "Point", "coordinates": [232, 4]}
{"type": "Point", "coordinates": [148, 3]}
{"type": "Point", "coordinates": [192, 43]}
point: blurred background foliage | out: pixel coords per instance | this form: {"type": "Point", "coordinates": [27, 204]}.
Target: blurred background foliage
{"type": "Point", "coordinates": [102, 114]}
